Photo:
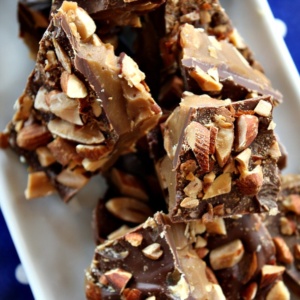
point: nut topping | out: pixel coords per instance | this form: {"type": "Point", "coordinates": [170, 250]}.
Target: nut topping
{"type": "Point", "coordinates": [118, 278]}
{"type": "Point", "coordinates": [217, 226]}
{"type": "Point", "coordinates": [198, 138]}
{"type": "Point", "coordinates": [278, 291]}
{"type": "Point", "coordinates": [153, 251]}
{"type": "Point", "coordinates": [72, 179]}
{"type": "Point", "coordinates": [246, 131]}
{"type": "Point", "coordinates": [129, 209]}
{"type": "Point", "coordinates": [134, 239]}
{"type": "Point", "coordinates": [227, 255]}
{"type": "Point", "coordinates": [221, 185]}
{"type": "Point", "coordinates": [263, 108]}
{"type": "Point", "coordinates": [72, 86]}
{"type": "Point", "coordinates": [283, 253]}
{"type": "Point", "coordinates": [189, 202]}
{"type": "Point", "coordinates": [224, 142]}
{"type": "Point", "coordinates": [86, 27]}
{"type": "Point", "coordinates": [250, 182]}
{"type": "Point", "coordinates": [33, 136]}
{"type": "Point", "coordinates": [38, 185]}
{"type": "Point", "coordinates": [87, 134]}
{"type": "Point", "coordinates": [269, 274]}
{"type": "Point", "coordinates": [193, 188]}
{"type": "Point", "coordinates": [292, 203]}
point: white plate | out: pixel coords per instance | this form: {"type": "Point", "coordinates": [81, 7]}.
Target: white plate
{"type": "Point", "coordinates": [54, 240]}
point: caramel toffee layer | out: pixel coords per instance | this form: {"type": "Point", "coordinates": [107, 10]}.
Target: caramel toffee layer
{"type": "Point", "coordinates": [217, 67]}
{"type": "Point", "coordinates": [221, 158]}
{"type": "Point", "coordinates": [156, 260]}
{"type": "Point", "coordinates": [82, 107]}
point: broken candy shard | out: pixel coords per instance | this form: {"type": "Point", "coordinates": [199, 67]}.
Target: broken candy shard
{"type": "Point", "coordinates": [156, 260]}
{"type": "Point", "coordinates": [217, 67]}
{"type": "Point", "coordinates": [83, 103]}
{"type": "Point", "coordinates": [104, 12]}
{"type": "Point", "coordinates": [220, 153]}
{"type": "Point", "coordinates": [284, 229]}
{"type": "Point", "coordinates": [240, 250]}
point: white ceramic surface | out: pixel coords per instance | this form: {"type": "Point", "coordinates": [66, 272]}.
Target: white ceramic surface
{"type": "Point", "coordinates": [55, 240]}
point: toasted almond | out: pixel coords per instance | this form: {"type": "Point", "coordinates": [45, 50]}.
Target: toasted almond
{"type": "Point", "coordinates": [263, 108]}
{"type": "Point", "coordinates": [134, 238]}
{"type": "Point", "coordinates": [221, 185]}
{"type": "Point", "coordinates": [72, 179]}
{"type": "Point", "coordinates": [250, 182]}
{"type": "Point", "coordinates": [153, 251]}
{"type": "Point", "coordinates": [45, 157]}
{"type": "Point", "coordinates": [33, 136]}
{"type": "Point", "coordinates": [269, 274]}
{"type": "Point", "coordinates": [198, 139]}
{"type": "Point", "coordinates": [283, 253]}
{"type": "Point", "coordinates": [129, 209]}
{"type": "Point", "coordinates": [246, 131]}
{"type": "Point", "coordinates": [86, 27]}
{"type": "Point", "coordinates": [38, 185]}
{"type": "Point", "coordinates": [224, 143]}
{"type": "Point", "coordinates": [278, 291]}
{"type": "Point", "coordinates": [118, 278]}
{"type": "Point", "coordinates": [72, 86]}
{"type": "Point", "coordinates": [227, 255]}
{"type": "Point", "coordinates": [217, 226]}
{"type": "Point", "coordinates": [87, 134]}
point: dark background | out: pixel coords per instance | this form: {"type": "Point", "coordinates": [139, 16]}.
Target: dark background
{"type": "Point", "coordinates": [10, 288]}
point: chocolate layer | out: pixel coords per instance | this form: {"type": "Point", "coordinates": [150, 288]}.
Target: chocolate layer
{"type": "Point", "coordinates": [156, 259]}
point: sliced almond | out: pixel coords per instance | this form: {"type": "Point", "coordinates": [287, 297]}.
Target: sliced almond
{"type": "Point", "coordinates": [221, 185]}
{"type": "Point", "coordinates": [72, 179]}
{"type": "Point", "coordinates": [198, 138]}
{"type": "Point", "coordinates": [269, 274]}
{"type": "Point", "coordinates": [40, 102]}
{"type": "Point", "coordinates": [93, 152]}
{"type": "Point", "coordinates": [224, 143]}
{"type": "Point", "coordinates": [87, 134]}
{"type": "Point", "coordinates": [227, 255]}
{"type": "Point", "coordinates": [246, 131]}
{"type": "Point", "coordinates": [72, 86]}
{"type": "Point", "coordinates": [62, 56]}
{"type": "Point", "coordinates": [129, 209]}
{"type": "Point", "coordinates": [128, 184]}
{"type": "Point", "coordinates": [64, 107]}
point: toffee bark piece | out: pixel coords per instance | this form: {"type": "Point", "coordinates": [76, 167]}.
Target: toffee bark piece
{"type": "Point", "coordinates": [104, 12]}
{"type": "Point", "coordinates": [84, 103]}
{"type": "Point", "coordinates": [240, 250]}
{"type": "Point", "coordinates": [216, 67]}
{"type": "Point", "coordinates": [220, 153]}
{"type": "Point", "coordinates": [155, 260]}
{"type": "Point", "coordinates": [284, 229]}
